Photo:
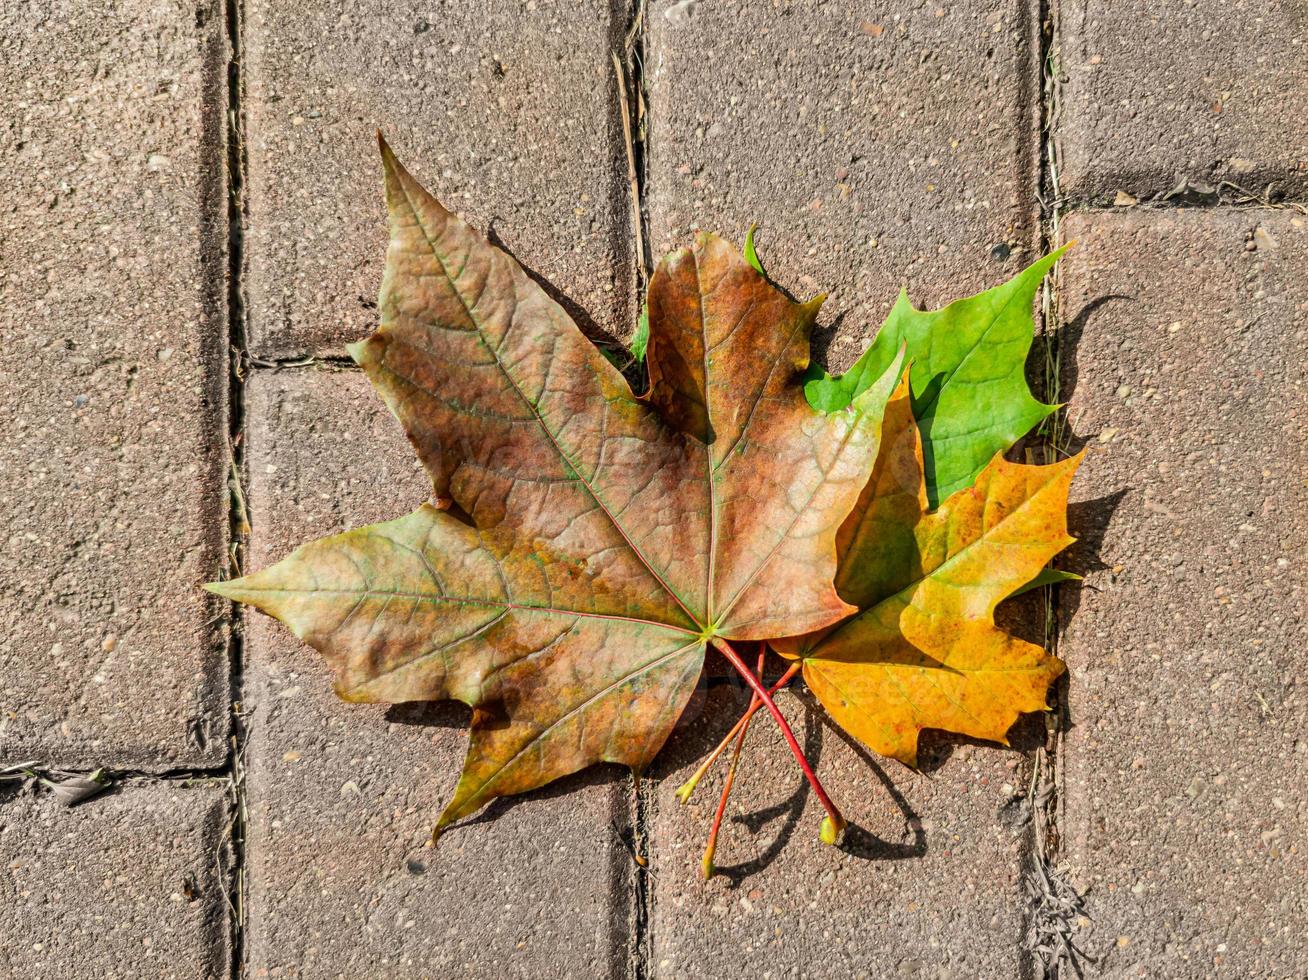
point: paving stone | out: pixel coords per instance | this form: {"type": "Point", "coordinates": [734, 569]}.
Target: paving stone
{"type": "Point", "coordinates": [1155, 97]}
{"type": "Point", "coordinates": [342, 797]}
{"type": "Point", "coordinates": [926, 885]}
{"type": "Point", "coordinates": [125, 886]}
{"type": "Point", "coordinates": [876, 146]}
{"type": "Point", "coordinates": [507, 113]}
{"type": "Point", "coordinates": [1186, 765]}
{"type": "Point", "coordinates": [112, 216]}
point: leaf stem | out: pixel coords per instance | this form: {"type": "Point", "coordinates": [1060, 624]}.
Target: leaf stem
{"type": "Point", "coordinates": [706, 864]}
{"type": "Point", "coordinates": [688, 787]}
{"type": "Point", "coordinates": [834, 823]}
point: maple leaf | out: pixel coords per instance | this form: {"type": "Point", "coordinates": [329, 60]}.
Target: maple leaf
{"type": "Point", "coordinates": [585, 543]}
{"type": "Point", "coordinates": [924, 650]}
{"type": "Point", "coordinates": [970, 393]}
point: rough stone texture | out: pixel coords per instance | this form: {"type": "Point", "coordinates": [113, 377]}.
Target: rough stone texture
{"type": "Point", "coordinates": [1186, 765]}
{"type": "Point", "coordinates": [342, 797]}
{"type": "Point", "coordinates": [508, 114]}
{"type": "Point", "coordinates": [111, 308]}
{"type": "Point", "coordinates": [1157, 95]}
{"type": "Point", "coordinates": [875, 146]}
{"type": "Point", "coordinates": [926, 885]}
{"type": "Point", "coordinates": [126, 886]}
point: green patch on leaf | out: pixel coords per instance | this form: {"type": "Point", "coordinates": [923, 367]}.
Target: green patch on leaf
{"type": "Point", "coordinates": [640, 339]}
{"type": "Point", "coordinates": [751, 254]}
{"type": "Point", "coordinates": [1048, 576]}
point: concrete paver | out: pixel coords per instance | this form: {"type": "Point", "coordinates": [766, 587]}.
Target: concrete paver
{"type": "Point", "coordinates": [112, 228]}
{"type": "Point", "coordinates": [125, 886]}
{"type": "Point", "coordinates": [508, 113]}
{"type": "Point", "coordinates": [1186, 763]}
{"type": "Point", "coordinates": [875, 146]}
{"type": "Point", "coordinates": [1157, 96]}
{"type": "Point", "coordinates": [342, 797]}
{"type": "Point", "coordinates": [926, 885]}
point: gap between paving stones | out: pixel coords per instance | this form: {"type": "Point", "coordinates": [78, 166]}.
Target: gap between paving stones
{"type": "Point", "coordinates": [237, 162]}
{"type": "Point", "coordinates": [630, 79]}
{"type": "Point", "coordinates": [1052, 903]}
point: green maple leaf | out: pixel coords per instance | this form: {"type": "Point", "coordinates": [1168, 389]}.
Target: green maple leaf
{"type": "Point", "coordinates": [970, 394]}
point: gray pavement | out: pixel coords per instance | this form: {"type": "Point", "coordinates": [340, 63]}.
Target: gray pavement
{"type": "Point", "coordinates": [129, 886]}
{"type": "Point", "coordinates": [113, 450]}
{"type": "Point", "coordinates": [507, 113]}
{"type": "Point", "coordinates": [1190, 98]}
{"type": "Point", "coordinates": [1185, 768]}
{"type": "Point", "coordinates": [875, 147]}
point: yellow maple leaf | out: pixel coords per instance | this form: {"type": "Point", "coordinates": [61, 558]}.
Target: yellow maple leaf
{"type": "Point", "coordinates": [924, 650]}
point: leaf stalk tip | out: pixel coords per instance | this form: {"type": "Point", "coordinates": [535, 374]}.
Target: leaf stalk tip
{"type": "Point", "coordinates": [831, 832]}
{"type": "Point", "coordinates": [706, 866]}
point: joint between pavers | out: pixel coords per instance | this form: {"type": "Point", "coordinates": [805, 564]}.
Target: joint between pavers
{"type": "Point", "coordinates": [326, 362]}
{"type": "Point", "coordinates": [1229, 197]}
{"type": "Point", "coordinates": [629, 76]}
{"type": "Point", "coordinates": [1052, 902]}
{"type": "Point", "coordinates": [630, 79]}
{"type": "Point", "coordinates": [51, 774]}
{"type": "Point", "coordinates": [236, 169]}
{"type": "Point", "coordinates": [640, 949]}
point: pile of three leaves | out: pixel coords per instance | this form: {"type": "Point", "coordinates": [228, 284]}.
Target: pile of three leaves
{"type": "Point", "coordinates": [586, 545]}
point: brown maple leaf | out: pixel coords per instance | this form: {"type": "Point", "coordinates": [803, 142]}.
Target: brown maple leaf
{"type": "Point", "coordinates": [585, 544]}
{"type": "Point", "coordinates": [924, 650]}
